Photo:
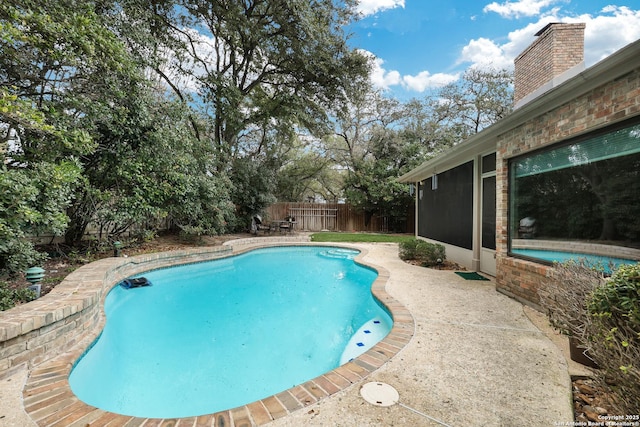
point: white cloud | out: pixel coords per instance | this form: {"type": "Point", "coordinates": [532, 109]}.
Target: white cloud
{"type": "Point", "coordinates": [385, 79]}
{"type": "Point", "coordinates": [612, 29]}
{"type": "Point", "coordinates": [604, 34]}
{"type": "Point", "coordinates": [484, 53]}
{"type": "Point", "coordinates": [382, 78]}
{"type": "Point", "coordinates": [369, 7]}
{"type": "Point", "coordinates": [518, 9]}
{"type": "Point", "coordinates": [425, 80]}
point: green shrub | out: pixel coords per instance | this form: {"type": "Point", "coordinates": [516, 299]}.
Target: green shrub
{"type": "Point", "coordinates": [614, 334]}
{"type": "Point", "coordinates": [16, 252]}
{"type": "Point", "coordinates": [408, 249]}
{"type": "Point", "coordinates": [10, 297]}
{"type": "Point", "coordinates": [426, 253]}
{"type": "Point", "coordinates": [619, 298]}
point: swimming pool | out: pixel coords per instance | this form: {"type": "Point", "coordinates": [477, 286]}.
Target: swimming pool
{"type": "Point", "coordinates": [604, 262]}
{"type": "Point", "coordinates": [212, 336]}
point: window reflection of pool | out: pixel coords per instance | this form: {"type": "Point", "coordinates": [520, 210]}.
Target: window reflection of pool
{"type": "Point", "coordinates": [212, 336]}
{"type": "Point", "coordinates": [560, 256]}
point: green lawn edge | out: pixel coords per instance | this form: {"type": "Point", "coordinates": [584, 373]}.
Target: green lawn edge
{"type": "Point", "coordinates": [359, 237]}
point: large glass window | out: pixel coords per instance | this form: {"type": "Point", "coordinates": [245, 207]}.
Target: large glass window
{"type": "Point", "coordinates": [582, 196]}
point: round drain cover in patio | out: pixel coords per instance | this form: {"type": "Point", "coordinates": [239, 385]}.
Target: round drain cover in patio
{"type": "Point", "coordinates": [379, 394]}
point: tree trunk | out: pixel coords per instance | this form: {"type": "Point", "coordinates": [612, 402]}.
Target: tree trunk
{"type": "Point", "coordinates": [75, 232]}
{"type": "Point", "coordinates": [80, 214]}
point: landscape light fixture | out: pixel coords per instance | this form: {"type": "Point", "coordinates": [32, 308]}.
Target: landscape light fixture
{"type": "Point", "coordinates": [34, 275]}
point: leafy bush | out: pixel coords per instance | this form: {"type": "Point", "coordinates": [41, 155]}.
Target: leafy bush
{"type": "Point", "coordinates": [32, 200]}
{"type": "Point", "coordinates": [426, 253]}
{"type": "Point", "coordinates": [145, 235]}
{"type": "Point", "coordinates": [17, 253]}
{"type": "Point", "coordinates": [10, 297]}
{"type": "Point", "coordinates": [614, 334]}
{"type": "Point", "coordinates": [408, 249]}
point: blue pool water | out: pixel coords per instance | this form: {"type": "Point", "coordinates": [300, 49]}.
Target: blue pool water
{"type": "Point", "coordinates": [212, 336]}
{"type": "Point", "coordinates": [592, 260]}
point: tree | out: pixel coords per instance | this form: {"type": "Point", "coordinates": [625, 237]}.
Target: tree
{"type": "Point", "coordinates": [256, 68]}
{"type": "Point", "coordinates": [74, 94]}
{"type": "Point", "coordinates": [369, 145]}
{"type": "Point", "coordinates": [282, 61]}
{"type": "Point", "coordinates": [378, 139]}
{"type": "Point", "coordinates": [47, 50]}
{"type": "Point", "coordinates": [149, 166]}
{"type": "Point", "coordinates": [307, 172]}
{"type": "Point", "coordinates": [479, 99]}
{"type": "Point", "coordinates": [307, 176]}
{"type": "Point", "coordinates": [428, 125]}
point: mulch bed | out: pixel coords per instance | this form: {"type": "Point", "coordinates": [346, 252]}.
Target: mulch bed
{"type": "Point", "coordinates": [446, 265]}
{"type": "Point", "coordinates": [591, 402]}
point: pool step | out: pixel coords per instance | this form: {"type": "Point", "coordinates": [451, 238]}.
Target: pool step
{"type": "Point", "coordinates": [366, 337]}
{"type": "Point", "coordinates": [340, 253]}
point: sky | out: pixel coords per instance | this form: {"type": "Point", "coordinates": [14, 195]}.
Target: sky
{"type": "Point", "coordinates": [420, 45]}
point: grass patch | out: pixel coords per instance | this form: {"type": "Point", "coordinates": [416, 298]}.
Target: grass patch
{"type": "Point", "coordinates": [359, 237]}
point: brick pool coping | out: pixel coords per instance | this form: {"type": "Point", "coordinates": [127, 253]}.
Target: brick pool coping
{"type": "Point", "coordinates": [64, 323]}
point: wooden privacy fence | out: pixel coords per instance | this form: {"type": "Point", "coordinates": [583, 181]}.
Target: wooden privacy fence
{"type": "Point", "coordinates": [309, 217]}
{"type": "Point", "coordinates": [338, 217]}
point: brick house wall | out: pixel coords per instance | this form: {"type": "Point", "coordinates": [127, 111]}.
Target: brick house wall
{"type": "Point", "coordinates": [610, 103]}
{"type": "Point", "coordinates": [558, 48]}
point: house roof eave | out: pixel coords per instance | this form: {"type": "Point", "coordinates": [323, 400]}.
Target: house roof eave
{"type": "Point", "coordinates": [616, 65]}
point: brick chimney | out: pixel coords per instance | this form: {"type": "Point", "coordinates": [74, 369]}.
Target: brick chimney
{"type": "Point", "coordinates": [555, 56]}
